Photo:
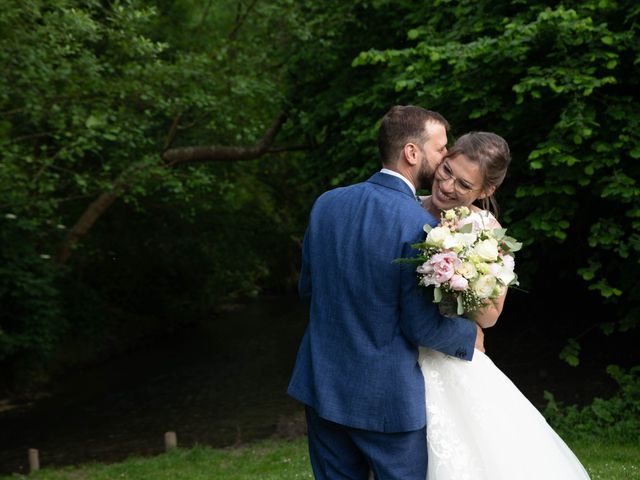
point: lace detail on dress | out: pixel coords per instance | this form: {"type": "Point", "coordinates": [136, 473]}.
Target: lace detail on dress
{"type": "Point", "coordinates": [481, 427]}
{"type": "Point", "coordinates": [449, 454]}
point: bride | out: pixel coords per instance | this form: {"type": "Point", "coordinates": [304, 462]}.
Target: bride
{"type": "Point", "coordinates": [479, 425]}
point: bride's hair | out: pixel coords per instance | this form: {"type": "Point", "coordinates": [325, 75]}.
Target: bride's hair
{"type": "Point", "coordinates": [491, 152]}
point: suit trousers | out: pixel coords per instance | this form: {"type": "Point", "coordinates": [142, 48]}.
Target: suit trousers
{"type": "Point", "coordinates": [341, 452]}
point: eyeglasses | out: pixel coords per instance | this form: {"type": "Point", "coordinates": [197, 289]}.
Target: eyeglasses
{"type": "Point", "coordinates": [444, 174]}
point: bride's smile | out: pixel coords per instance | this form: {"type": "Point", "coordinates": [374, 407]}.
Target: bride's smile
{"type": "Point", "coordinates": [457, 181]}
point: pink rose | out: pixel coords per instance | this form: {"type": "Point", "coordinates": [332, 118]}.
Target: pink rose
{"type": "Point", "coordinates": [444, 265]}
{"type": "Point", "coordinates": [458, 283]}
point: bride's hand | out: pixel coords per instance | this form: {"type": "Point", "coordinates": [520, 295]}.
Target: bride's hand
{"type": "Point", "coordinates": [480, 339]}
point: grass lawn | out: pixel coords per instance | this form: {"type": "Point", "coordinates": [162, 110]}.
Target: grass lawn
{"type": "Point", "coordinates": [288, 459]}
{"type": "Point", "coordinates": [606, 461]}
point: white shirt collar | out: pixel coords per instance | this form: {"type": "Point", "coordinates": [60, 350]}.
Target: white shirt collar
{"type": "Point", "coordinates": [401, 177]}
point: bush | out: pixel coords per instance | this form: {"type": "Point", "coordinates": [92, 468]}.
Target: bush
{"type": "Point", "coordinates": [616, 419]}
{"type": "Point", "coordinates": [30, 324]}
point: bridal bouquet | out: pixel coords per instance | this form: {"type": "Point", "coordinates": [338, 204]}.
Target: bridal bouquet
{"type": "Point", "coordinates": [468, 260]}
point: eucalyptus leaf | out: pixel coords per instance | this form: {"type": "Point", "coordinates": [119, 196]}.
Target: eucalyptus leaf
{"type": "Point", "coordinates": [466, 228]}
{"type": "Point", "coordinates": [437, 295]}
{"type": "Point", "coordinates": [460, 308]}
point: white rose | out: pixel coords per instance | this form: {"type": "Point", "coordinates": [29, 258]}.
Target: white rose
{"type": "Point", "coordinates": [453, 242]}
{"type": "Point", "coordinates": [487, 250]}
{"type": "Point", "coordinates": [459, 241]}
{"type": "Point", "coordinates": [476, 221]}
{"type": "Point", "coordinates": [506, 275]}
{"type": "Point", "coordinates": [438, 235]}
{"type": "Point", "coordinates": [495, 269]}
{"type": "Point", "coordinates": [467, 270]}
{"type": "Point", "coordinates": [508, 261]}
{"type": "Point", "coordinates": [468, 239]}
{"type": "Point", "coordinates": [484, 286]}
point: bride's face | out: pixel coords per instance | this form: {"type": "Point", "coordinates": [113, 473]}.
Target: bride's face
{"type": "Point", "coordinates": [457, 181]}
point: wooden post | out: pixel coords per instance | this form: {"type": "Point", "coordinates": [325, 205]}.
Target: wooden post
{"type": "Point", "coordinates": [170, 441]}
{"type": "Point", "coordinates": [34, 460]}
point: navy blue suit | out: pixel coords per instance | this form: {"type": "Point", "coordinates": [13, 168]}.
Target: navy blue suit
{"type": "Point", "coordinates": [357, 363]}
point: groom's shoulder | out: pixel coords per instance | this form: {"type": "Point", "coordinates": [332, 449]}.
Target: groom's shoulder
{"type": "Point", "coordinates": [342, 191]}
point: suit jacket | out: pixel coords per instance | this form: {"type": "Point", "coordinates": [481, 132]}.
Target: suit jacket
{"type": "Point", "coordinates": [357, 362]}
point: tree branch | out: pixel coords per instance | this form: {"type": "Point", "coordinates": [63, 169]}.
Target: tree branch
{"type": "Point", "coordinates": [215, 153]}
{"type": "Point", "coordinates": [171, 157]}
{"type": "Point", "coordinates": [204, 15]}
{"type": "Point", "coordinates": [29, 137]}
{"type": "Point", "coordinates": [172, 132]}
{"type": "Point", "coordinates": [240, 20]}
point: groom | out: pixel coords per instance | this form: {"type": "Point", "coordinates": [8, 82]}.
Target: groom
{"type": "Point", "coordinates": [357, 370]}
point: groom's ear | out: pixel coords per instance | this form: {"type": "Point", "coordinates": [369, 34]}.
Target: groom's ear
{"type": "Point", "coordinates": [410, 151]}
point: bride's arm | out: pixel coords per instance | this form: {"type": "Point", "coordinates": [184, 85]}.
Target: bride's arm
{"type": "Point", "coordinates": [488, 316]}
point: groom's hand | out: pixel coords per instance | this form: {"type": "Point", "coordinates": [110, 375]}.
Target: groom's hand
{"type": "Point", "coordinates": [479, 339]}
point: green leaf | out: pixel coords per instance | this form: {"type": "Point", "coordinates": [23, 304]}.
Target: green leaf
{"type": "Point", "coordinates": [460, 308]}
{"type": "Point", "coordinates": [437, 295]}
{"type": "Point", "coordinates": [466, 228]}
{"type": "Point", "coordinates": [607, 327]}
{"type": "Point", "coordinates": [571, 352]}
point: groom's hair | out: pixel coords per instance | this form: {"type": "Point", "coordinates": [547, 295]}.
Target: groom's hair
{"type": "Point", "coordinates": [404, 124]}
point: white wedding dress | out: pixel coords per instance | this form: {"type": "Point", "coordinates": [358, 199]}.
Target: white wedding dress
{"type": "Point", "coordinates": [481, 427]}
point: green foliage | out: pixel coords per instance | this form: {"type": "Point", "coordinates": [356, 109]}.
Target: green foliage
{"type": "Point", "coordinates": [89, 94]}
{"type": "Point", "coordinates": [571, 352]}
{"type": "Point", "coordinates": [616, 419]}
{"type": "Point", "coordinates": [90, 91]}
{"type": "Point", "coordinates": [558, 82]}
{"type": "Point", "coordinates": [29, 293]}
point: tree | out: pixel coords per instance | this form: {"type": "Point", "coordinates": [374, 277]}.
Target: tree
{"type": "Point", "coordinates": [100, 101]}
{"type": "Point", "coordinates": [556, 81]}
